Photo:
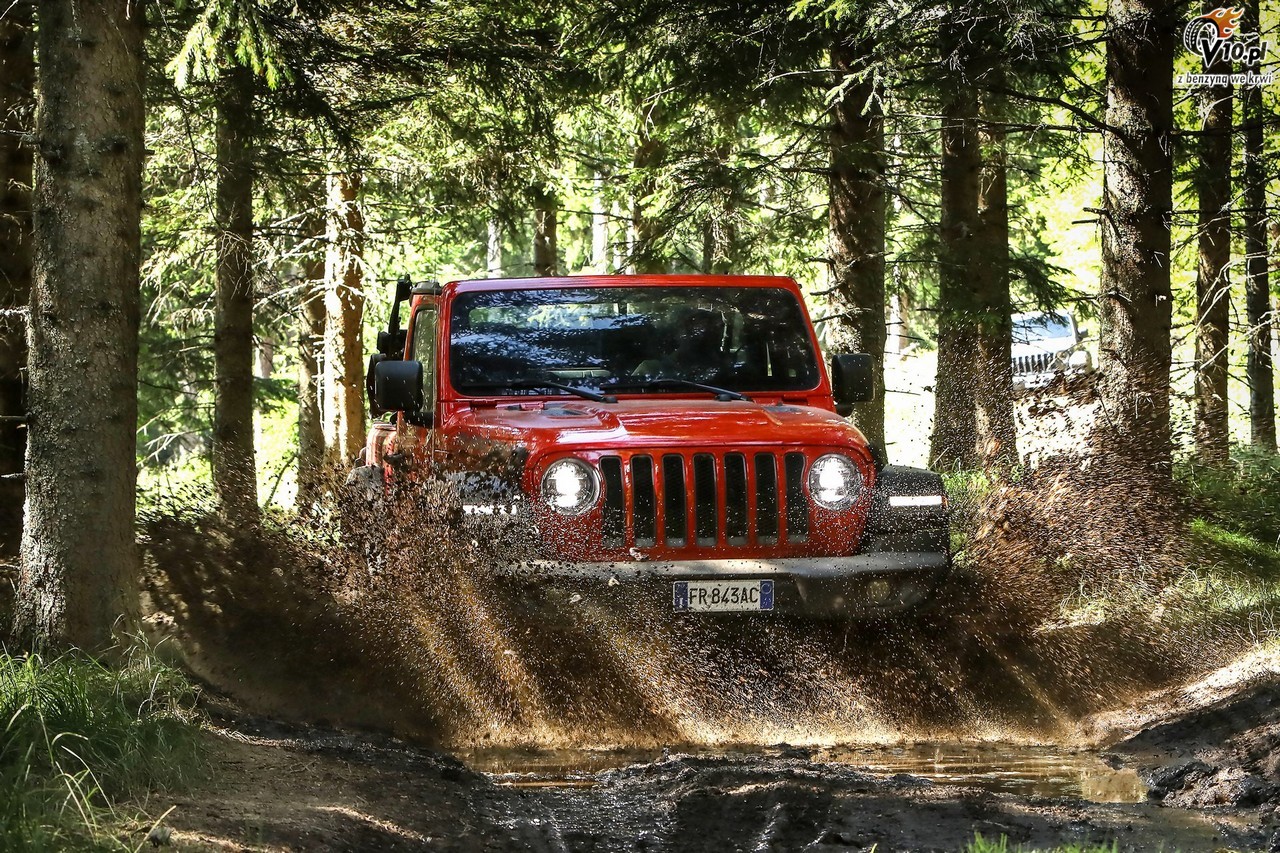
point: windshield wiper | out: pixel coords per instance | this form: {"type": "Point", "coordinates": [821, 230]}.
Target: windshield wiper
{"type": "Point", "coordinates": [535, 384]}
{"type": "Point", "coordinates": [722, 394]}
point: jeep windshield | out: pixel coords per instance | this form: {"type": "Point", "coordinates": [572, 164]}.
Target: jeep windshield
{"type": "Point", "coordinates": [1040, 327]}
{"type": "Point", "coordinates": [623, 339]}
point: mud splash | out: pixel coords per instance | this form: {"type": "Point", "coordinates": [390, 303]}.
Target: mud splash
{"type": "Point", "coordinates": [396, 624]}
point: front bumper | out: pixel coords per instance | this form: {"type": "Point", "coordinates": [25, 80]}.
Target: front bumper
{"type": "Point", "coordinates": [1034, 381]}
{"type": "Point", "coordinates": [862, 584]}
{"type": "Point", "coordinates": [904, 556]}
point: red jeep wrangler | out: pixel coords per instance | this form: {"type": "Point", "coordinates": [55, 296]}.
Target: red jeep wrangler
{"type": "Point", "coordinates": [677, 438]}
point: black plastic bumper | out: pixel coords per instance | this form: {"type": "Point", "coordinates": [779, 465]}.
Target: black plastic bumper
{"type": "Point", "coordinates": [905, 556]}
{"type": "Point", "coordinates": [808, 585]}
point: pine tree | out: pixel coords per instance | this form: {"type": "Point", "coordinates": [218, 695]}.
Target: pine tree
{"type": "Point", "coordinates": [234, 469]}
{"type": "Point", "coordinates": [1135, 304]}
{"type": "Point", "coordinates": [1262, 401]}
{"type": "Point", "coordinates": [955, 426]}
{"type": "Point", "coordinates": [344, 415]}
{"type": "Point", "coordinates": [310, 336]}
{"type": "Point", "coordinates": [856, 206]}
{"type": "Point", "coordinates": [995, 430]}
{"type": "Point", "coordinates": [79, 571]}
{"type": "Point", "coordinates": [1213, 287]}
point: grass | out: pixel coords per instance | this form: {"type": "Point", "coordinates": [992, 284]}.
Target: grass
{"type": "Point", "coordinates": [1001, 845]}
{"type": "Point", "coordinates": [1243, 498]}
{"type": "Point", "coordinates": [84, 743]}
{"type": "Point", "coordinates": [966, 490]}
{"type": "Point", "coordinates": [1236, 538]}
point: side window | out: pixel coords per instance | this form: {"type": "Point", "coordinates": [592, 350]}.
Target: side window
{"type": "Point", "coordinates": [424, 350]}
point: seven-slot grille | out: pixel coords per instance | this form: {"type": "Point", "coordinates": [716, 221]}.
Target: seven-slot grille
{"type": "Point", "coordinates": [704, 499]}
{"type": "Point", "coordinates": [1039, 363]}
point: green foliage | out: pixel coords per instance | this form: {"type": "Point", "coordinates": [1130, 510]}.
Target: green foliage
{"type": "Point", "coordinates": [966, 491]}
{"type": "Point", "coordinates": [985, 845]}
{"type": "Point", "coordinates": [83, 742]}
{"type": "Point", "coordinates": [1242, 498]}
{"type": "Point", "coordinates": [236, 27]}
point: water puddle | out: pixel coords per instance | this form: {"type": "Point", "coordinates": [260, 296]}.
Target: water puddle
{"type": "Point", "coordinates": [1039, 771]}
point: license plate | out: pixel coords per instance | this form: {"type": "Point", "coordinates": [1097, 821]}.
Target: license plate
{"type": "Point", "coordinates": [722, 596]}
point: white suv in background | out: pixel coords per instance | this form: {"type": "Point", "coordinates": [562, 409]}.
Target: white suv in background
{"type": "Point", "coordinates": [1046, 343]}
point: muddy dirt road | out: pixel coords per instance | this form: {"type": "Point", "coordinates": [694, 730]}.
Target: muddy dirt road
{"type": "Point", "coordinates": [1190, 768]}
{"type": "Point", "coordinates": [277, 787]}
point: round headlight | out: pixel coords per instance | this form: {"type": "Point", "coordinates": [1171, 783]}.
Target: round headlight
{"type": "Point", "coordinates": [834, 482]}
{"type": "Point", "coordinates": [570, 486]}
{"type": "Point", "coordinates": [1080, 360]}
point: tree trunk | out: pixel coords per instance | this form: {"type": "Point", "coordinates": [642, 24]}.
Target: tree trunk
{"type": "Point", "coordinates": [1213, 288]}
{"type": "Point", "coordinates": [996, 432]}
{"type": "Point", "coordinates": [311, 451]}
{"type": "Point", "coordinates": [720, 249]}
{"type": "Point", "coordinates": [646, 228]}
{"type": "Point", "coordinates": [856, 214]}
{"type": "Point", "coordinates": [493, 251]}
{"type": "Point", "coordinates": [1135, 308]}
{"type": "Point", "coordinates": [544, 235]}
{"type": "Point", "coordinates": [599, 228]}
{"type": "Point", "coordinates": [620, 250]}
{"type": "Point", "coordinates": [17, 103]}
{"type": "Point", "coordinates": [79, 571]}
{"type": "Point", "coordinates": [266, 351]}
{"type": "Point", "coordinates": [955, 437]}
{"type": "Point", "coordinates": [235, 480]}
{"type": "Point", "coordinates": [899, 332]}
{"type": "Point", "coordinates": [1262, 398]}
{"type": "Point", "coordinates": [344, 316]}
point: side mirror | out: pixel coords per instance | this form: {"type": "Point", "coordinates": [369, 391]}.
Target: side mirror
{"type": "Point", "coordinates": [369, 373]}
{"type": "Point", "coordinates": [852, 381]}
{"type": "Point", "coordinates": [1084, 334]}
{"type": "Point", "coordinates": [397, 386]}
{"type": "Point", "coordinates": [391, 344]}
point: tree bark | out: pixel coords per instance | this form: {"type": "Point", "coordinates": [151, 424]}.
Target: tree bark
{"type": "Point", "coordinates": [1213, 287]}
{"type": "Point", "coordinates": [235, 480]}
{"type": "Point", "coordinates": [955, 428]}
{"type": "Point", "coordinates": [344, 313]}
{"type": "Point", "coordinates": [1135, 308]}
{"type": "Point", "coordinates": [645, 227]}
{"type": "Point", "coordinates": [311, 450]}
{"type": "Point", "coordinates": [856, 215]}
{"type": "Point", "coordinates": [996, 432]}
{"type": "Point", "coordinates": [1260, 371]}
{"type": "Point", "coordinates": [599, 227]}
{"type": "Point", "coordinates": [544, 235]}
{"type": "Point", "coordinates": [17, 103]}
{"type": "Point", "coordinates": [493, 251]}
{"type": "Point", "coordinates": [79, 569]}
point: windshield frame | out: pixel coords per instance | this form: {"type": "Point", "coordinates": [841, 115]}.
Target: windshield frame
{"type": "Point", "coordinates": [451, 392]}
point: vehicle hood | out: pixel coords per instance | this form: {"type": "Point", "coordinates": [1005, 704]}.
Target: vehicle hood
{"type": "Point", "coordinates": [652, 423]}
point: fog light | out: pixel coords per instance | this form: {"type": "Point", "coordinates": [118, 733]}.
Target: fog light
{"type": "Point", "coordinates": [879, 590]}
